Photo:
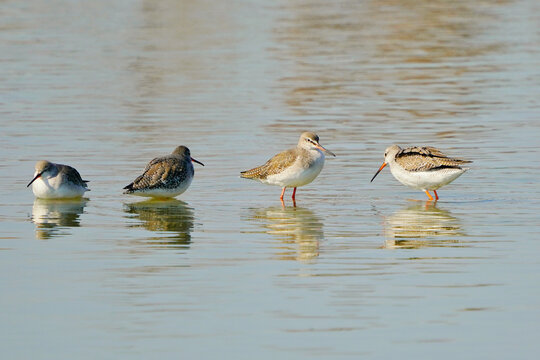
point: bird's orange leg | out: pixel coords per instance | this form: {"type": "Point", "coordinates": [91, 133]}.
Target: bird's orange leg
{"type": "Point", "coordinates": [429, 195]}
{"type": "Point", "coordinates": [281, 197]}
{"type": "Point", "coordinates": [436, 196]}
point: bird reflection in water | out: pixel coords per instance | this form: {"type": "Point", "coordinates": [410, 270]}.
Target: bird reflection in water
{"type": "Point", "coordinates": [54, 216]}
{"type": "Point", "coordinates": [299, 229]}
{"type": "Point", "coordinates": [422, 225]}
{"type": "Point", "coordinates": [171, 220]}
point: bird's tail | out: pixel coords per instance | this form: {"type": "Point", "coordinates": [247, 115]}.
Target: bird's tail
{"type": "Point", "coordinates": [250, 174]}
{"type": "Point", "coordinates": [128, 188]}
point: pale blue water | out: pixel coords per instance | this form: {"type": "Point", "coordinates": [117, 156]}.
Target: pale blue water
{"type": "Point", "coordinates": [357, 269]}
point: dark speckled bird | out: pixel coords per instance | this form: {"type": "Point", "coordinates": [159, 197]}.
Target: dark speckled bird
{"type": "Point", "coordinates": [165, 177]}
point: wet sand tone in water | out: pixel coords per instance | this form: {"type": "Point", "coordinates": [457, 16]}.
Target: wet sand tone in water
{"type": "Point", "coordinates": [356, 269]}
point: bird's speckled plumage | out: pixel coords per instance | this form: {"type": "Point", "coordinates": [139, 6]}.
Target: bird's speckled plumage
{"type": "Point", "coordinates": [426, 158]}
{"type": "Point", "coordinates": [278, 164]}
{"type": "Point", "coordinates": [165, 176]}
{"type": "Point", "coordinates": [294, 167]}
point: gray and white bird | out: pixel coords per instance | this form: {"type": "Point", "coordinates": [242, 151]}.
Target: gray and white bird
{"type": "Point", "coordinates": [424, 168]}
{"type": "Point", "coordinates": [294, 167]}
{"type": "Point", "coordinates": [57, 181]}
{"type": "Point", "coordinates": [165, 177]}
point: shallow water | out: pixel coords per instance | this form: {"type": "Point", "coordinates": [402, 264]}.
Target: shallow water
{"type": "Point", "coordinates": [357, 268]}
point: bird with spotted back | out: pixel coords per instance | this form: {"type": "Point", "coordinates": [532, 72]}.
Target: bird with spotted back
{"type": "Point", "coordinates": [165, 177]}
{"type": "Point", "coordinates": [425, 168]}
{"type": "Point", "coordinates": [57, 181]}
{"type": "Point", "coordinates": [294, 167]}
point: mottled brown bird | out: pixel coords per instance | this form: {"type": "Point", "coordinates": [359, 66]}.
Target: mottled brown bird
{"type": "Point", "coordinates": [294, 167]}
{"type": "Point", "coordinates": [165, 177]}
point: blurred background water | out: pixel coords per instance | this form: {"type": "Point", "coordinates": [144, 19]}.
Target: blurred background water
{"type": "Point", "coordinates": [357, 269]}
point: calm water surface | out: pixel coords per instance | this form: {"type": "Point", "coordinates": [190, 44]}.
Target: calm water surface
{"type": "Point", "coordinates": [357, 269]}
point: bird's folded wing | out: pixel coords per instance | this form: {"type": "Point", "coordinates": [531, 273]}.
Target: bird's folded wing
{"type": "Point", "coordinates": [425, 159]}
{"type": "Point", "coordinates": [157, 174]}
{"type": "Point", "coordinates": [275, 165]}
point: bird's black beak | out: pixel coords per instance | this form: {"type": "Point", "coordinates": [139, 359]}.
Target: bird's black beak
{"type": "Point", "coordinates": [378, 171]}
{"type": "Point", "coordinates": [197, 161]}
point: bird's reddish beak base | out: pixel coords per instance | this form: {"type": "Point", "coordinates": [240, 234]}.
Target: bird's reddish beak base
{"type": "Point", "coordinates": [34, 179]}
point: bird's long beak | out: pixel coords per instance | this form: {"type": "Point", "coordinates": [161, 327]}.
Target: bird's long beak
{"type": "Point", "coordinates": [34, 179]}
{"type": "Point", "coordinates": [378, 171]}
{"type": "Point", "coordinates": [320, 147]}
{"type": "Point", "coordinates": [197, 161]}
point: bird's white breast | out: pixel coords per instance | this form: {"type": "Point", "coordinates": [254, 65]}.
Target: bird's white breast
{"type": "Point", "coordinates": [53, 188]}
